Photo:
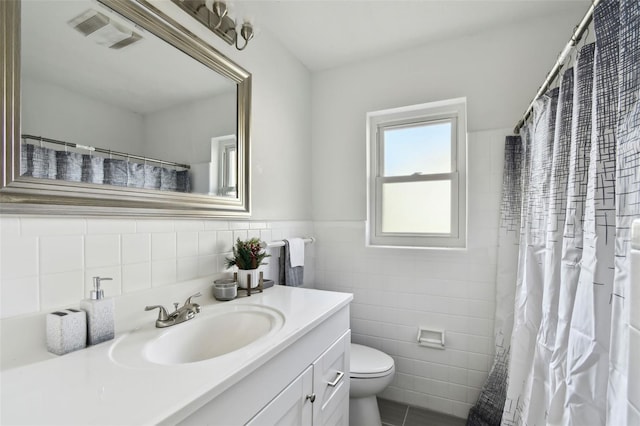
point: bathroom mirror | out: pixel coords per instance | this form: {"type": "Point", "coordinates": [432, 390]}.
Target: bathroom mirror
{"type": "Point", "coordinates": [112, 107]}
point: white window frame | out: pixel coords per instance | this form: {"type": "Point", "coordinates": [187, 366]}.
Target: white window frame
{"type": "Point", "coordinates": [453, 111]}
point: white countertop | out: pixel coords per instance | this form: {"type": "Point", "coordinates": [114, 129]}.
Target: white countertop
{"type": "Point", "coordinates": [89, 387]}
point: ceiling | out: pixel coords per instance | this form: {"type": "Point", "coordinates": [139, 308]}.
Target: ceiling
{"type": "Point", "coordinates": [329, 33]}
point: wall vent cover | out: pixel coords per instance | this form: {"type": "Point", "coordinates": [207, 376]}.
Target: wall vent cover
{"type": "Point", "coordinates": [103, 30]}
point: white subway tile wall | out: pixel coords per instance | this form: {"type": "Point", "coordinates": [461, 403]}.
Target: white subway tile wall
{"type": "Point", "coordinates": [47, 263]}
{"type": "Point", "coordinates": [101, 250]}
{"type": "Point", "coordinates": [397, 290]}
{"type": "Point", "coordinates": [19, 295]}
{"type": "Point", "coordinates": [136, 248]}
{"type": "Point", "coordinates": [136, 276]}
{"type": "Point", "coordinates": [188, 244]}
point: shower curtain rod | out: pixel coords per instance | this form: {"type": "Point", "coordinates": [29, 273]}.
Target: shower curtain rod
{"type": "Point", "coordinates": [573, 41]}
{"type": "Point", "coordinates": [104, 151]}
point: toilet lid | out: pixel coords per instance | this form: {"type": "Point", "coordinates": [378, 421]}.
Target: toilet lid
{"type": "Point", "coordinates": [369, 361]}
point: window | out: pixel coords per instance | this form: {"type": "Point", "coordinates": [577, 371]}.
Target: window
{"type": "Point", "coordinates": [417, 175]}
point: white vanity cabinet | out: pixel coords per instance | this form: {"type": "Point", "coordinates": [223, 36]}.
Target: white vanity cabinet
{"type": "Point", "coordinates": [265, 382]}
{"type": "Point", "coordinates": [307, 383]}
{"type": "Point", "coordinates": [331, 385]}
{"type": "Point", "coordinates": [292, 407]}
{"type": "Point", "coordinates": [318, 396]}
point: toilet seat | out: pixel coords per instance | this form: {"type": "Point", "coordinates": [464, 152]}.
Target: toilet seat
{"type": "Point", "coordinates": [369, 363]}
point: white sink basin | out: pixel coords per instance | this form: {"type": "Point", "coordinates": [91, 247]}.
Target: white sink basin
{"type": "Point", "coordinates": [216, 331]}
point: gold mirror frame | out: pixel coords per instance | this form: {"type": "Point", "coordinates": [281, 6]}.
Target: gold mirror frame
{"type": "Point", "coordinates": [26, 195]}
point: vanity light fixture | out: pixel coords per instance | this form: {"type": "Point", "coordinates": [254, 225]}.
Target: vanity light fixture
{"type": "Point", "coordinates": [214, 14]}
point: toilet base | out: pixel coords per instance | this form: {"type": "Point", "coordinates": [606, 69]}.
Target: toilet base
{"type": "Point", "coordinates": [364, 411]}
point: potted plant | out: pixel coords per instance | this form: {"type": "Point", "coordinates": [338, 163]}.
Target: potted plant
{"type": "Point", "coordinates": [248, 255]}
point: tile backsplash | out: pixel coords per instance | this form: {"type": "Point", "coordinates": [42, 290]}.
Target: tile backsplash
{"type": "Point", "coordinates": [396, 291]}
{"type": "Point", "coordinates": [47, 263]}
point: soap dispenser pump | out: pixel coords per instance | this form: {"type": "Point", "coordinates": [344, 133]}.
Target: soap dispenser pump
{"type": "Point", "coordinates": [100, 314]}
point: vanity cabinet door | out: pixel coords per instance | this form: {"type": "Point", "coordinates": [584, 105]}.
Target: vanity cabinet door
{"type": "Point", "coordinates": [331, 384]}
{"type": "Point", "coordinates": [291, 407]}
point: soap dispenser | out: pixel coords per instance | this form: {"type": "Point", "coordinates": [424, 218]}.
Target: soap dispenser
{"type": "Point", "coordinates": [100, 314]}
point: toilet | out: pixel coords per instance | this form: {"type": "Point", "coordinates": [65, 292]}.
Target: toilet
{"type": "Point", "coordinates": [371, 372]}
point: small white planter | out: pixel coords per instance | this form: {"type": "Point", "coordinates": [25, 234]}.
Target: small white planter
{"type": "Point", "coordinates": [243, 279]}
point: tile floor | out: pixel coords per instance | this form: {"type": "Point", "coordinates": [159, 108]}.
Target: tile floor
{"type": "Point", "coordinates": [397, 414]}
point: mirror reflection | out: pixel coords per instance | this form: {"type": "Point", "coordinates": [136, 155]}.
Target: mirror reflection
{"type": "Point", "coordinates": [105, 102]}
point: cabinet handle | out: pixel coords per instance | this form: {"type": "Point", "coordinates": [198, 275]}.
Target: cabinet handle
{"type": "Point", "coordinates": [311, 398]}
{"type": "Point", "coordinates": [337, 379]}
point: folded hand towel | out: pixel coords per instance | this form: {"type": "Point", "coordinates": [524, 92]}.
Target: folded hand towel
{"type": "Point", "coordinates": [296, 251]}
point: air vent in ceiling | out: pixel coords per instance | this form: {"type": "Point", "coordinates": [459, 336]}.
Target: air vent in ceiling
{"type": "Point", "coordinates": [103, 30]}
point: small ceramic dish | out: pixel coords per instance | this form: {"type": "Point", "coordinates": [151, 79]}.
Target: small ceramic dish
{"type": "Point", "coordinates": [225, 289]}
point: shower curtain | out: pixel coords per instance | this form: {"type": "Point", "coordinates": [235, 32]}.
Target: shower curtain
{"type": "Point", "coordinates": [47, 163]}
{"type": "Point", "coordinates": [571, 190]}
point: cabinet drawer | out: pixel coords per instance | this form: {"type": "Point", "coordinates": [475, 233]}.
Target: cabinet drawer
{"type": "Point", "coordinates": [331, 384]}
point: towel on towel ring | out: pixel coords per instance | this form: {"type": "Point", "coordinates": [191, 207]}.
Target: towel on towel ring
{"type": "Point", "coordinates": [290, 275]}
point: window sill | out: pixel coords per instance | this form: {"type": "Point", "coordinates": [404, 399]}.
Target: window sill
{"type": "Point", "coordinates": [419, 248]}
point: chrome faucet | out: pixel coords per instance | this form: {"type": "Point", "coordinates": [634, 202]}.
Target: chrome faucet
{"type": "Point", "coordinates": [179, 315]}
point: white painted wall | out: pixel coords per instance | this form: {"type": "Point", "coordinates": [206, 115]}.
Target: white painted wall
{"type": "Point", "coordinates": [183, 133]}
{"type": "Point", "coordinates": [396, 290]}
{"type": "Point", "coordinates": [494, 70]}
{"type": "Point", "coordinates": [57, 113]}
{"type": "Point", "coordinates": [280, 122]}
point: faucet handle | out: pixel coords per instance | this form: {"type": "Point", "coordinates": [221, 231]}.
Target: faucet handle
{"type": "Point", "coordinates": [162, 314]}
{"type": "Point", "coordinates": [188, 302]}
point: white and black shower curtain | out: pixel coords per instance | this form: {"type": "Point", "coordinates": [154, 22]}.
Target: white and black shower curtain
{"type": "Point", "coordinates": [571, 190]}
{"type": "Point", "coordinates": [47, 163]}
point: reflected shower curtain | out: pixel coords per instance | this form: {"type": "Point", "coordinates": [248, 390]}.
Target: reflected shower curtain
{"type": "Point", "coordinates": [571, 191]}
{"type": "Point", "coordinates": [46, 163]}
